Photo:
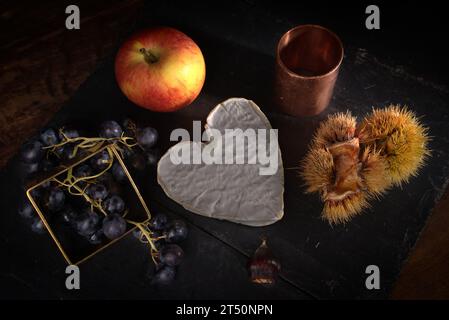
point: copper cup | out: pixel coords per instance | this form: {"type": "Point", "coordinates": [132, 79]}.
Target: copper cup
{"type": "Point", "coordinates": [308, 59]}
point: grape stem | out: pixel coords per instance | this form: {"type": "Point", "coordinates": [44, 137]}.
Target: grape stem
{"type": "Point", "coordinates": [146, 234]}
{"type": "Point", "coordinates": [90, 144]}
{"type": "Point", "coordinates": [72, 182]}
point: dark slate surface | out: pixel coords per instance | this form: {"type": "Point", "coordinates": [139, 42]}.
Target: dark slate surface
{"type": "Point", "coordinates": [319, 261]}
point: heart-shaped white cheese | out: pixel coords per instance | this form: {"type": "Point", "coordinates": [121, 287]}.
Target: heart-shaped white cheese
{"type": "Point", "coordinates": [235, 192]}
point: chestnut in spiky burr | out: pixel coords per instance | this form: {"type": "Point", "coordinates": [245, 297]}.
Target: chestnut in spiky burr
{"type": "Point", "coordinates": [397, 133]}
{"type": "Point", "coordinates": [263, 266]}
{"type": "Point", "coordinates": [345, 176]}
{"type": "Point", "coordinates": [349, 166]}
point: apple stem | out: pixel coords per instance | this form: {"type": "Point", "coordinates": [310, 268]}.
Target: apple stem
{"type": "Point", "coordinates": [149, 56]}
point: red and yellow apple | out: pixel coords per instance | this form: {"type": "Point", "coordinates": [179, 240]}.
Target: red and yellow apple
{"type": "Point", "coordinates": [160, 69]}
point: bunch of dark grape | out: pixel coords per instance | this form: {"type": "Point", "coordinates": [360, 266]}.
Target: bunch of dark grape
{"type": "Point", "coordinates": [38, 159]}
{"type": "Point", "coordinates": [93, 224]}
{"type": "Point", "coordinates": [35, 160]}
{"type": "Point", "coordinates": [170, 255]}
{"type": "Point", "coordinates": [99, 181]}
{"type": "Point", "coordinates": [34, 156]}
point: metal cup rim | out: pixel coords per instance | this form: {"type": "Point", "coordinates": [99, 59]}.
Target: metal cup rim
{"type": "Point", "coordinates": [296, 75]}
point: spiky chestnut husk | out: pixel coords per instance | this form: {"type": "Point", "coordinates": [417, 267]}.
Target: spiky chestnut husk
{"type": "Point", "coordinates": [372, 184]}
{"type": "Point", "coordinates": [345, 177]}
{"type": "Point", "coordinates": [317, 168]}
{"type": "Point", "coordinates": [400, 138]}
{"type": "Point", "coordinates": [338, 127]}
{"type": "Point", "coordinates": [373, 172]}
{"type": "Point", "coordinates": [343, 210]}
{"type": "Point", "coordinates": [318, 172]}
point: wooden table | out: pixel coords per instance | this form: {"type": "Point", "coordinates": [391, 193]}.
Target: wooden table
{"type": "Point", "coordinates": [43, 64]}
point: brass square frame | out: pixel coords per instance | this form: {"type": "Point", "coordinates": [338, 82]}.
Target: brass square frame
{"type": "Point", "coordinates": [116, 154]}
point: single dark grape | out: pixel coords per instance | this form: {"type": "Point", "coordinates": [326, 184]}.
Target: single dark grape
{"type": "Point", "coordinates": [137, 161]}
{"type": "Point", "coordinates": [164, 275]}
{"type": "Point", "coordinates": [152, 156]}
{"type": "Point", "coordinates": [58, 151]}
{"type": "Point", "coordinates": [118, 173]}
{"type": "Point", "coordinates": [137, 233]}
{"type": "Point", "coordinates": [114, 187]}
{"type": "Point", "coordinates": [147, 137]}
{"type": "Point", "coordinates": [26, 210]}
{"type": "Point", "coordinates": [86, 224]}
{"type": "Point", "coordinates": [32, 152]}
{"type": "Point", "coordinates": [113, 226]}
{"type": "Point", "coordinates": [37, 193]}
{"type": "Point", "coordinates": [171, 255]}
{"type": "Point", "coordinates": [55, 199]}
{"type": "Point", "coordinates": [69, 133]}
{"type": "Point", "coordinates": [83, 171]}
{"type": "Point", "coordinates": [128, 153]}
{"type": "Point", "coordinates": [67, 152]}
{"type": "Point", "coordinates": [45, 185]}
{"type": "Point", "coordinates": [37, 226]}
{"type": "Point", "coordinates": [128, 126]}
{"type": "Point", "coordinates": [49, 137]}
{"type": "Point", "coordinates": [110, 129]}
{"type": "Point", "coordinates": [47, 165]}
{"type": "Point", "coordinates": [96, 237]}
{"type": "Point", "coordinates": [105, 178]}
{"type": "Point", "coordinates": [114, 204]}
{"type": "Point", "coordinates": [177, 232]}
{"type": "Point", "coordinates": [101, 160]}
{"type": "Point", "coordinates": [108, 180]}
{"type": "Point", "coordinates": [159, 221]}
{"type": "Point", "coordinates": [127, 123]}
{"type": "Point", "coordinates": [29, 168]}
{"type": "Point", "coordinates": [97, 191]}
{"type": "Point", "coordinates": [68, 215]}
